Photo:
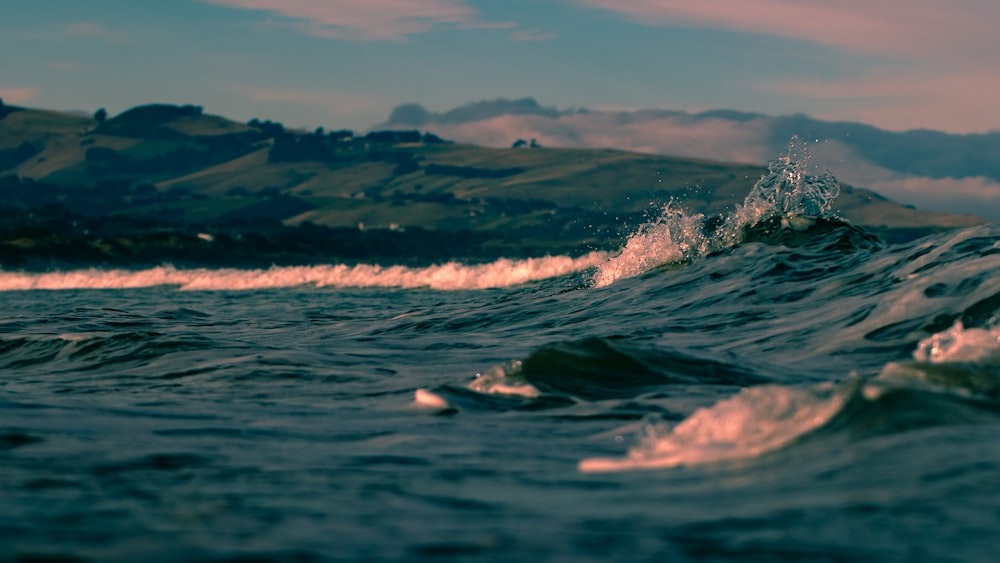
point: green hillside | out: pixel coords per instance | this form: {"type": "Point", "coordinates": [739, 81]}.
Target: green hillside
{"type": "Point", "coordinates": [142, 186]}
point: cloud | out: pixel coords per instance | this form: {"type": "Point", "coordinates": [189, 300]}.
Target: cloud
{"type": "Point", "coordinates": [908, 28]}
{"type": "Point", "coordinates": [370, 19]}
{"type": "Point", "coordinates": [930, 63]}
{"type": "Point", "coordinates": [18, 95]}
{"type": "Point", "coordinates": [679, 135]}
{"type": "Point", "coordinates": [975, 195]}
{"type": "Point", "coordinates": [857, 154]}
{"type": "Point", "coordinates": [943, 188]}
{"type": "Point", "coordinates": [950, 100]}
{"type": "Point", "coordinates": [686, 135]}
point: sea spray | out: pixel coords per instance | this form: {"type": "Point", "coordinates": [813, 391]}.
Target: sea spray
{"type": "Point", "coordinates": [786, 194]}
{"type": "Point", "coordinates": [786, 191]}
{"type": "Point", "coordinates": [672, 238]}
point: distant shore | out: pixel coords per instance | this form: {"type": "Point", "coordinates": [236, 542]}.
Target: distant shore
{"type": "Point", "coordinates": [168, 184]}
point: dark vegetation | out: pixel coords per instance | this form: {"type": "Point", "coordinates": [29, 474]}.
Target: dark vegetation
{"type": "Point", "coordinates": [5, 109]}
{"type": "Point", "coordinates": [112, 213]}
{"type": "Point", "coordinates": [44, 225]}
{"type": "Point", "coordinates": [10, 158]}
{"type": "Point", "coordinates": [52, 236]}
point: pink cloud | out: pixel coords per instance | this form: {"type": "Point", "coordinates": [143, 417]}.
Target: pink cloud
{"type": "Point", "coordinates": [955, 100]}
{"type": "Point", "coordinates": [908, 28]}
{"type": "Point", "coordinates": [18, 95]}
{"type": "Point", "coordinates": [370, 19]}
{"type": "Point", "coordinates": [941, 188]}
{"type": "Point", "coordinates": [975, 195]}
{"type": "Point", "coordinates": [939, 58]}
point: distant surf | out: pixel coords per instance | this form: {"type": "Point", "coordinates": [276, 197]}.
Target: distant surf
{"type": "Point", "coordinates": [450, 276]}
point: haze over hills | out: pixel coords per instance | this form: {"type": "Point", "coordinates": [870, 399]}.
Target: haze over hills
{"type": "Point", "coordinates": [929, 169]}
{"type": "Point", "coordinates": [169, 183]}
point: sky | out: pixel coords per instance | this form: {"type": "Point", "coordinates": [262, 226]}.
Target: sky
{"type": "Point", "coordinates": [895, 64]}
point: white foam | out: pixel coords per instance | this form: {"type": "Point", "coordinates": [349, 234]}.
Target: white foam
{"type": "Point", "coordinates": [673, 237]}
{"type": "Point", "coordinates": [425, 399]}
{"type": "Point", "coordinates": [785, 191]}
{"type": "Point", "coordinates": [505, 379]}
{"type": "Point", "coordinates": [449, 276]}
{"type": "Point", "coordinates": [757, 420]}
{"type": "Point", "coordinates": [768, 417]}
{"type": "Point", "coordinates": [958, 360]}
{"type": "Point", "coordinates": [958, 344]}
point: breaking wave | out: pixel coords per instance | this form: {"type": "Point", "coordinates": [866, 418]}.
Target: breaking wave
{"type": "Point", "coordinates": [787, 198]}
{"type": "Point", "coordinates": [449, 276]}
{"type": "Point", "coordinates": [953, 377]}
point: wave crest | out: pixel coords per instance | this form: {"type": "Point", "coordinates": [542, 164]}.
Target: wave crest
{"type": "Point", "coordinates": [449, 276]}
{"type": "Point", "coordinates": [757, 420]}
{"type": "Point", "coordinates": [786, 195]}
{"type": "Point", "coordinates": [951, 379]}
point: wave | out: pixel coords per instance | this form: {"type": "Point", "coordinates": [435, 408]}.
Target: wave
{"type": "Point", "coordinates": [588, 370]}
{"type": "Point", "coordinates": [449, 276]}
{"type": "Point", "coordinates": [600, 368]}
{"type": "Point", "coordinates": [953, 378]}
{"type": "Point", "coordinates": [784, 201]}
{"type": "Point", "coordinates": [84, 352]}
{"type": "Point", "coordinates": [966, 360]}
{"type": "Point", "coordinates": [784, 206]}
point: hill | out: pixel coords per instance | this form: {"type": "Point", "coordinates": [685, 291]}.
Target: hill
{"type": "Point", "coordinates": [959, 173]}
{"type": "Point", "coordinates": [169, 183]}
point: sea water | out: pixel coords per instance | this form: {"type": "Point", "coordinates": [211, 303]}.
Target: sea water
{"type": "Point", "coordinates": [773, 384]}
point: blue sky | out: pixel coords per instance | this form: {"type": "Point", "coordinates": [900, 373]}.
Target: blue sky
{"type": "Point", "coordinates": [897, 64]}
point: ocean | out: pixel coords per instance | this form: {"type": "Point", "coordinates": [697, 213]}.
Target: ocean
{"type": "Point", "coordinates": [774, 384]}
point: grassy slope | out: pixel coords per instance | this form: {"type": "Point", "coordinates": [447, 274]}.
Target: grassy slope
{"type": "Point", "coordinates": [602, 183]}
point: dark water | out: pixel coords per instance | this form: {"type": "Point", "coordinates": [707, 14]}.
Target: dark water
{"type": "Point", "coordinates": [790, 390]}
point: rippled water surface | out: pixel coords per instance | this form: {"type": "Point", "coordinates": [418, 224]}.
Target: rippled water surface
{"type": "Point", "coordinates": [773, 387]}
